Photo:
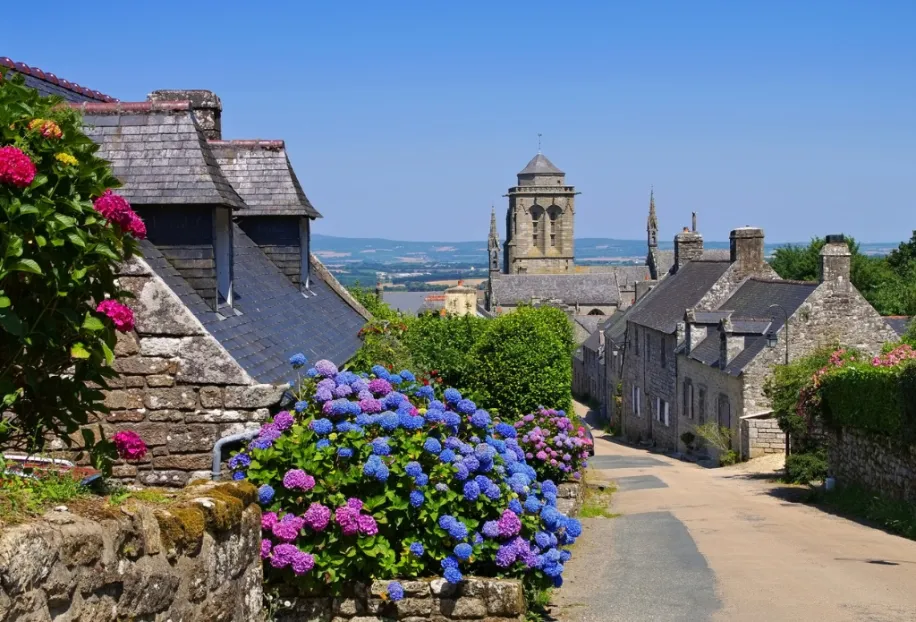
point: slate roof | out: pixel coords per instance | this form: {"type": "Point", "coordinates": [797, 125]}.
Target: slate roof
{"type": "Point", "coordinates": [664, 307]}
{"type": "Point", "coordinates": [275, 320]}
{"type": "Point", "coordinates": [599, 288]}
{"type": "Point", "coordinates": [590, 322]}
{"type": "Point", "coordinates": [262, 175]}
{"type": "Point", "coordinates": [593, 342]}
{"type": "Point", "coordinates": [663, 261]}
{"type": "Point", "coordinates": [48, 84]}
{"type": "Point", "coordinates": [158, 154]}
{"type": "Point", "coordinates": [750, 305]}
{"type": "Point", "coordinates": [899, 323]}
{"type": "Point", "coordinates": [540, 165]}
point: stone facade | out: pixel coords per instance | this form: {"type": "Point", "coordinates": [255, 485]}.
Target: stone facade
{"type": "Point", "coordinates": [178, 388]}
{"type": "Point", "coordinates": [874, 462]}
{"type": "Point", "coordinates": [650, 387]}
{"type": "Point", "coordinates": [139, 564]}
{"type": "Point", "coordinates": [491, 600]}
{"type": "Point", "coordinates": [760, 436]}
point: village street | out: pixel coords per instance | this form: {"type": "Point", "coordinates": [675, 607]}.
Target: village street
{"type": "Point", "coordinates": [721, 544]}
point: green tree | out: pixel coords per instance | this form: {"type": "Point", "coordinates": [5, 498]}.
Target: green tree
{"type": "Point", "coordinates": [373, 303]}
{"type": "Point", "coordinates": [443, 344]}
{"type": "Point", "coordinates": [524, 360]}
{"type": "Point", "coordinates": [903, 258]}
{"type": "Point", "coordinates": [62, 236]}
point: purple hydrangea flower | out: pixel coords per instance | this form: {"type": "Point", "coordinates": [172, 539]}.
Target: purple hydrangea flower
{"type": "Point", "coordinates": [297, 479]}
{"type": "Point", "coordinates": [326, 368]}
{"type": "Point", "coordinates": [266, 546]}
{"type": "Point", "coordinates": [302, 563]}
{"type": "Point", "coordinates": [283, 420]}
{"type": "Point", "coordinates": [367, 525]}
{"type": "Point", "coordinates": [370, 406]}
{"type": "Point", "coordinates": [506, 556]}
{"type": "Point", "coordinates": [343, 390]}
{"type": "Point", "coordinates": [283, 555]}
{"type": "Point", "coordinates": [509, 524]}
{"type": "Point", "coordinates": [323, 395]}
{"type": "Point", "coordinates": [317, 516]}
{"type": "Point", "coordinates": [379, 386]}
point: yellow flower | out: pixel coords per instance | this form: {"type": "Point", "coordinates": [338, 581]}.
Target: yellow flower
{"type": "Point", "coordinates": [332, 436]}
{"type": "Point", "coordinates": [48, 129]}
{"type": "Point", "coordinates": [66, 159]}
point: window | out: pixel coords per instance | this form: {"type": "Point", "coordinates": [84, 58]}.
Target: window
{"type": "Point", "coordinates": [688, 399]}
{"type": "Point", "coordinates": [725, 412]}
{"type": "Point", "coordinates": [222, 247]}
{"type": "Point", "coordinates": [661, 411]}
{"type": "Point", "coordinates": [553, 213]}
{"type": "Point", "coordinates": [701, 405]}
{"type": "Point", "coordinates": [537, 217]}
{"type": "Point", "coordinates": [304, 253]}
{"type": "Point", "coordinates": [637, 410]}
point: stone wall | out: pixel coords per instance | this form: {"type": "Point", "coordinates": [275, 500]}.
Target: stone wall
{"type": "Point", "coordinates": [761, 435]}
{"type": "Point", "coordinates": [179, 389]}
{"type": "Point", "coordinates": [569, 497]}
{"type": "Point", "coordinates": [880, 464]}
{"type": "Point", "coordinates": [193, 560]}
{"type": "Point", "coordinates": [474, 598]}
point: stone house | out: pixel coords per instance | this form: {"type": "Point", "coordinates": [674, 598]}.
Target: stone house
{"type": "Point", "coordinates": [730, 348]}
{"type": "Point", "coordinates": [655, 329]}
{"type": "Point", "coordinates": [226, 290]}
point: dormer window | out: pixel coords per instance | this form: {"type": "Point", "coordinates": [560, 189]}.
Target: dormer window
{"type": "Point", "coordinates": [222, 250]}
{"type": "Point", "coordinates": [304, 250]}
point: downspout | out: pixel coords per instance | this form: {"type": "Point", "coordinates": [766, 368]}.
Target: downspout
{"type": "Point", "coordinates": [218, 449]}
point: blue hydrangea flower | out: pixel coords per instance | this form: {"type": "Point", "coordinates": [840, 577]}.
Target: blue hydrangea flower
{"type": "Point", "coordinates": [432, 445]}
{"type": "Point", "coordinates": [434, 416]}
{"type": "Point", "coordinates": [452, 419]}
{"type": "Point", "coordinates": [490, 529]}
{"type": "Point", "coordinates": [573, 527]}
{"type": "Point", "coordinates": [452, 396]}
{"type": "Point", "coordinates": [442, 487]}
{"type": "Point", "coordinates": [550, 498]}
{"type": "Point", "coordinates": [363, 419]}
{"type": "Point", "coordinates": [516, 506]}
{"type": "Point", "coordinates": [323, 444]}
{"type": "Point", "coordinates": [446, 521]}
{"type": "Point", "coordinates": [435, 405]}
{"type": "Point", "coordinates": [239, 461]}
{"type": "Point", "coordinates": [449, 562]}
{"type": "Point", "coordinates": [506, 430]}
{"type": "Point", "coordinates": [345, 452]}
{"type": "Point", "coordinates": [478, 539]}
{"type": "Point", "coordinates": [532, 505]}
{"type": "Point", "coordinates": [452, 442]}
{"type": "Point", "coordinates": [421, 480]}
{"type": "Point", "coordinates": [518, 482]}
{"type": "Point", "coordinates": [265, 494]}
{"type": "Point", "coordinates": [301, 405]}
{"type": "Point", "coordinates": [484, 452]}
{"type": "Point", "coordinates": [380, 372]}
{"type": "Point", "coordinates": [453, 575]}
{"type": "Point", "coordinates": [298, 360]}
{"type": "Point", "coordinates": [425, 392]}
{"type": "Point", "coordinates": [548, 486]}
{"type": "Point", "coordinates": [344, 426]}
{"type": "Point", "coordinates": [311, 372]}
{"type": "Point", "coordinates": [380, 446]}
{"type": "Point", "coordinates": [395, 591]}
{"type": "Point", "coordinates": [565, 556]}
{"type": "Point", "coordinates": [417, 549]}
{"type": "Point", "coordinates": [463, 551]}
{"type": "Point", "coordinates": [417, 498]}
{"type": "Point", "coordinates": [495, 443]}
{"type": "Point", "coordinates": [483, 481]}
{"type": "Point", "coordinates": [542, 539]}
{"type": "Point", "coordinates": [413, 469]}
{"type": "Point", "coordinates": [458, 530]}
{"type": "Point", "coordinates": [466, 407]}
{"type": "Point", "coordinates": [237, 475]}
{"type": "Point", "coordinates": [389, 421]}
{"type": "Point", "coordinates": [395, 379]}
{"type": "Point", "coordinates": [492, 493]}
{"type": "Point", "coordinates": [322, 426]}
{"type": "Point", "coordinates": [471, 491]}
{"type": "Point", "coordinates": [461, 472]}
{"type": "Point", "coordinates": [447, 456]}
{"type": "Point", "coordinates": [553, 520]}
{"type": "Point", "coordinates": [407, 375]}
{"type": "Point", "coordinates": [409, 422]}
{"type": "Point", "coordinates": [260, 443]}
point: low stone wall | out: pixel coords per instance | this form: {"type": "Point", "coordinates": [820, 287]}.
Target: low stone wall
{"type": "Point", "coordinates": [197, 559]}
{"type": "Point", "coordinates": [881, 464]}
{"type": "Point", "coordinates": [569, 497]}
{"type": "Point", "coordinates": [492, 600]}
{"type": "Point", "coordinates": [760, 436]}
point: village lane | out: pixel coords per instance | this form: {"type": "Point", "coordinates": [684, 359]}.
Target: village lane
{"type": "Point", "coordinates": [718, 544]}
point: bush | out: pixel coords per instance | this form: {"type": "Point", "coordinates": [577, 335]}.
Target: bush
{"type": "Point", "coordinates": [62, 235]}
{"type": "Point", "coordinates": [719, 438]}
{"type": "Point", "coordinates": [688, 438]}
{"type": "Point", "coordinates": [364, 482]}
{"type": "Point", "coordinates": [803, 468]}
{"type": "Point", "coordinates": [551, 446]}
{"type": "Point", "coordinates": [382, 344]}
{"type": "Point", "coordinates": [524, 361]}
{"type": "Point", "coordinates": [728, 458]}
{"type": "Point", "coordinates": [443, 344]}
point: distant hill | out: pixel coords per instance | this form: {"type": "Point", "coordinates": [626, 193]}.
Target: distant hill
{"type": "Point", "coordinates": [340, 251]}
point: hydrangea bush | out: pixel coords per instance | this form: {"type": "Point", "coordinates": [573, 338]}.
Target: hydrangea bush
{"type": "Point", "coordinates": [552, 446]}
{"type": "Point", "coordinates": [376, 476]}
{"type": "Point", "coordinates": [63, 233]}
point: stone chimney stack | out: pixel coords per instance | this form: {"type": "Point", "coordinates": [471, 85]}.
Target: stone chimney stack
{"type": "Point", "coordinates": [730, 344]}
{"type": "Point", "coordinates": [688, 246]}
{"type": "Point", "coordinates": [746, 246]}
{"type": "Point", "coordinates": [695, 333]}
{"type": "Point", "coordinates": [205, 105]}
{"type": "Point", "coordinates": [836, 260]}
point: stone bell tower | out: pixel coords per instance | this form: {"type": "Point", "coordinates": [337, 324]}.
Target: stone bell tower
{"type": "Point", "coordinates": [539, 221]}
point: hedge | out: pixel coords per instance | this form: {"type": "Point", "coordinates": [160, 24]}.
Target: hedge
{"type": "Point", "coordinates": [879, 400]}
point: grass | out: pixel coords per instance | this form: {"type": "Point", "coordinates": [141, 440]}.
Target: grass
{"type": "Point", "coordinates": [597, 503]}
{"type": "Point", "coordinates": [123, 495]}
{"type": "Point", "coordinates": [898, 517]}
{"type": "Point", "coordinates": [22, 498]}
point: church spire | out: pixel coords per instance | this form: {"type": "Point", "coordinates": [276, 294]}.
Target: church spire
{"type": "Point", "coordinates": [493, 243]}
{"type": "Point", "coordinates": [494, 234]}
{"type": "Point", "coordinates": [652, 225]}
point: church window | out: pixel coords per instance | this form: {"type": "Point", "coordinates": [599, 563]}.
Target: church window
{"type": "Point", "coordinates": [553, 212]}
{"type": "Point", "coordinates": [537, 217]}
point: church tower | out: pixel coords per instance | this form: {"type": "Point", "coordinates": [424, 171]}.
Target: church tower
{"type": "Point", "coordinates": [652, 224]}
{"type": "Point", "coordinates": [493, 244]}
{"type": "Point", "coordinates": [539, 221]}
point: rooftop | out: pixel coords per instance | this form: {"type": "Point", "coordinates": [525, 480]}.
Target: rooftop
{"type": "Point", "coordinates": [540, 165]}
{"type": "Point", "coordinates": [48, 84]}
{"type": "Point", "coordinates": [665, 306]}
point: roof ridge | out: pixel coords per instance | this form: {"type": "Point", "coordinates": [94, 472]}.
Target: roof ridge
{"type": "Point", "coordinates": [35, 72]}
{"type": "Point", "coordinates": [249, 143]}
{"type": "Point", "coordinates": [762, 279]}
{"type": "Point", "coordinates": [117, 107]}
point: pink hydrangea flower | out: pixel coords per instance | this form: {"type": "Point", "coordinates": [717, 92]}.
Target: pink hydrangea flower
{"type": "Point", "coordinates": [302, 563]}
{"type": "Point", "coordinates": [113, 207]}
{"type": "Point", "coordinates": [268, 520]}
{"type": "Point", "coordinates": [317, 517]}
{"type": "Point", "coordinates": [297, 479]}
{"type": "Point", "coordinates": [16, 169]}
{"type": "Point", "coordinates": [129, 445]}
{"type": "Point", "coordinates": [266, 546]}
{"type": "Point", "coordinates": [118, 313]}
{"type": "Point", "coordinates": [367, 525]}
{"type": "Point", "coordinates": [135, 226]}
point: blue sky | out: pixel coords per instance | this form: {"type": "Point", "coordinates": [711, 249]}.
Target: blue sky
{"type": "Point", "coordinates": [406, 120]}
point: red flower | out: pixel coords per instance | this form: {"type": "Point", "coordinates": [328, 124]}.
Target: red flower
{"type": "Point", "coordinates": [118, 313]}
{"type": "Point", "coordinates": [16, 168]}
{"type": "Point", "coordinates": [129, 445]}
{"type": "Point", "coordinates": [116, 209]}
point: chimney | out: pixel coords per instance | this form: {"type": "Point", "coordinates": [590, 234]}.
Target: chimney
{"type": "Point", "coordinates": [746, 246]}
{"type": "Point", "coordinates": [688, 246]}
{"type": "Point", "coordinates": [730, 344]}
{"type": "Point", "coordinates": [205, 105]}
{"type": "Point", "coordinates": [836, 260]}
{"type": "Point", "coordinates": [695, 333]}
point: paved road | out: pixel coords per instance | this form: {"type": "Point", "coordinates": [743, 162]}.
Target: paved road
{"type": "Point", "coordinates": [695, 544]}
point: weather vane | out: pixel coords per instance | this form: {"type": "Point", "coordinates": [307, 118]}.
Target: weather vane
{"type": "Point", "coordinates": [539, 143]}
